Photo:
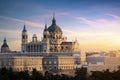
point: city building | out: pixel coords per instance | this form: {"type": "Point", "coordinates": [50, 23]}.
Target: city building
{"type": "Point", "coordinates": [58, 63]}
{"type": "Point", "coordinates": [21, 63]}
{"type": "Point", "coordinates": [102, 61]}
{"type": "Point", "coordinates": [53, 41]}
{"type": "Point", "coordinates": [53, 53]}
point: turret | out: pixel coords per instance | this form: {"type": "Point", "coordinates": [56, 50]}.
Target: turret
{"type": "Point", "coordinates": [45, 41]}
{"type": "Point", "coordinates": [34, 38]}
{"type": "Point", "coordinates": [24, 39]}
{"type": "Point", "coordinates": [45, 32]}
{"type": "Point", "coordinates": [5, 47]}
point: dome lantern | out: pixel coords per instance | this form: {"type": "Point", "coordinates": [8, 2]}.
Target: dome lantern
{"type": "Point", "coordinates": [54, 28]}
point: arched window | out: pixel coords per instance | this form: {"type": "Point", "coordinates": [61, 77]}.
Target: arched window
{"type": "Point", "coordinates": [23, 36]}
{"type": "Point", "coordinates": [44, 36]}
{"type": "Point", "coordinates": [50, 36]}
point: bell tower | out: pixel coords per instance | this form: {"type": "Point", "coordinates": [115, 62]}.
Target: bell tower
{"type": "Point", "coordinates": [24, 39]}
{"type": "Point", "coordinates": [46, 45]}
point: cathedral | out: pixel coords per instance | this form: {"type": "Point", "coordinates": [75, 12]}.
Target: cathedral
{"type": "Point", "coordinates": [53, 53]}
{"type": "Point", "coordinates": [52, 41]}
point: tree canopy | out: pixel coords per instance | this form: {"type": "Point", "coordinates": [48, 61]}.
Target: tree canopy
{"type": "Point", "coordinates": [80, 74]}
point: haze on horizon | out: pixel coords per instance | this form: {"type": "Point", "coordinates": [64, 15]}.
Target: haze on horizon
{"type": "Point", "coordinates": [94, 23]}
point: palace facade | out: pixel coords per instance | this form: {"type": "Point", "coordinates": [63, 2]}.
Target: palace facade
{"type": "Point", "coordinates": [53, 53]}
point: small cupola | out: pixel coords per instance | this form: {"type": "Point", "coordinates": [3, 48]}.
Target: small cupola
{"type": "Point", "coordinates": [5, 47]}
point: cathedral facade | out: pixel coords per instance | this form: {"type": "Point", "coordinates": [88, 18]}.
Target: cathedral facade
{"type": "Point", "coordinates": [53, 53]}
{"type": "Point", "coordinates": [53, 41]}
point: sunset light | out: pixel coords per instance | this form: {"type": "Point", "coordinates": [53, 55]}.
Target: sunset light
{"type": "Point", "coordinates": [94, 23]}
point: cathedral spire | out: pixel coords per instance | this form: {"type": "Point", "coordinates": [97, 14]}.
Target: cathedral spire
{"type": "Point", "coordinates": [5, 40]}
{"type": "Point", "coordinates": [45, 27]}
{"type": "Point", "coordinates": [24, 29]}
{"type": "Point", "coordinates": [24, 39]}
{"type": "Point", "coordinates": [53, 20]}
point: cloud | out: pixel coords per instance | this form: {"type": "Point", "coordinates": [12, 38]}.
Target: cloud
{"type": "Point", "coordinates": [29, 23]}
{"type": "Point", "coordinates": [86, 21]}
{"type": "Point", "coordinates": [88, 34]}
{"type": "Point", "coordinates": [9, 31]}
{"type": "Point", "coordinates": [11, 35]}
{"type": "Point", "coordinates": [100, 34]}
{"type": "Point", "coordinates": [102, 23]}
{"type": "Point", "coordinates": [114, 16]}
{"type": "Point", "coordinates": [12, 19]}
{"type": "Point", "coordinates": [95, 28]}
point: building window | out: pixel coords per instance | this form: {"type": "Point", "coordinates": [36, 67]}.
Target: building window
{"type": "Point", "coordinates": [26, 36]}
{"type": "Point", "coordinates": [50, 36]}
{"type": "Point", "coordinates": [44, 62]}
{"type": "Point", "coordinates": [10, 63]}
{"type": "Point", "coordinates": [23, 36]}
{"type": "Point", "coordinates": [44, 36]}
{"type": "Point", "coordinates": [50, 62]}
{"type": "Point", "coordinates": [55, 67]}
{"type": "Point", "coordinates": [4, 63]}
{"type": "Point", "coordinates": [50, 68]}
{"type": "Point", "coordinates": [55, 62]}
{"type": "Point", "coordinates": [45, 67]}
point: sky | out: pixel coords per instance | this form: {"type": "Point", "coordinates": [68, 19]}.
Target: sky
{"type": "Point", "coordinates": [94, 23]}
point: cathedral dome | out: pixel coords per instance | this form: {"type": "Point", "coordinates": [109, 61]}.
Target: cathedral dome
{"type": "Point", "coordinates": [54, 27]}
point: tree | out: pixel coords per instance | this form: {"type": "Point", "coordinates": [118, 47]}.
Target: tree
{"type": "Point", "coordinates": [22, 75]}
{"type": "Point", "coordinates": [36, 75]}
{"type": "Point", "coordinates": [81, 74]}
{"type": "Point", "coordinates": [48, 76]}
{"type": "Point", "coordinates": [3, 74]}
